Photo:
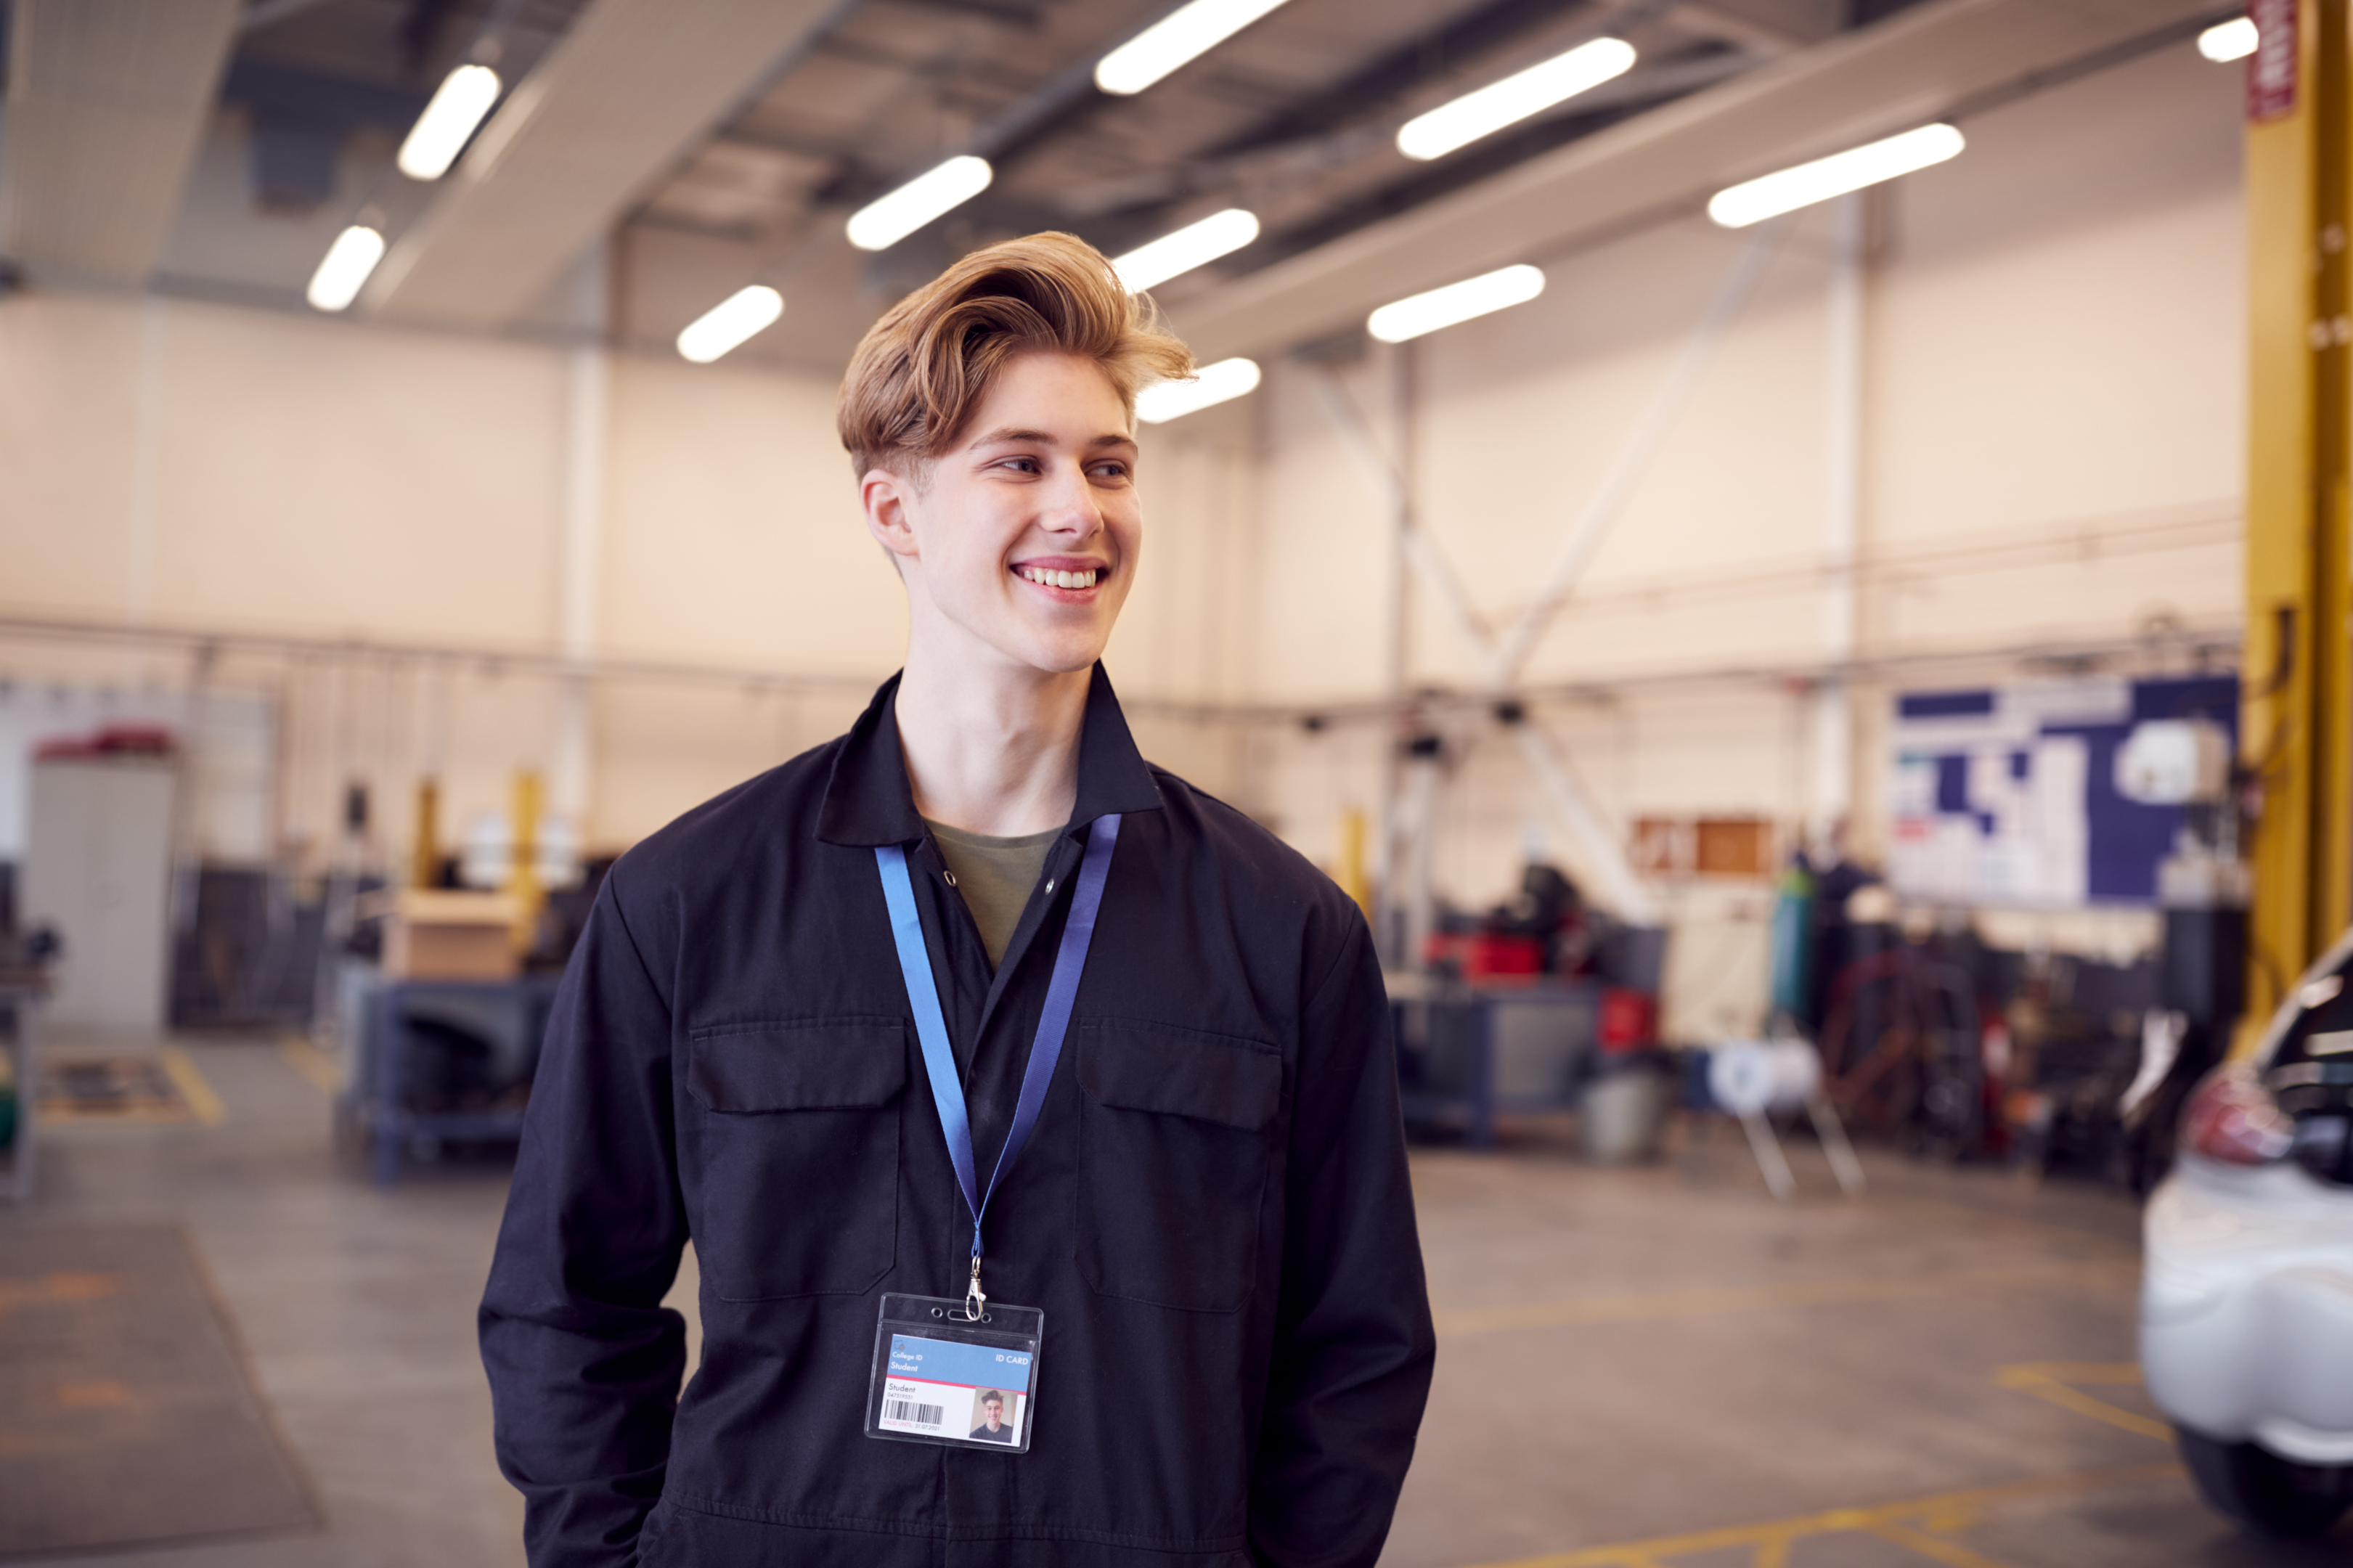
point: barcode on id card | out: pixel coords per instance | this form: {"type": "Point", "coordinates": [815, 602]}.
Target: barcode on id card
{"type": "Point", "coordinates": [921, 1408]}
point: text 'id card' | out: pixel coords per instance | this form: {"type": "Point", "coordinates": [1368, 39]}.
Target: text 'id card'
{"type": "Point", "coordinates": [940, 1379]}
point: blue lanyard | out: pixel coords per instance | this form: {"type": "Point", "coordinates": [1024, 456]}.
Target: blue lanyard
{"type": "Point", "coordinates": [1053, 1024]}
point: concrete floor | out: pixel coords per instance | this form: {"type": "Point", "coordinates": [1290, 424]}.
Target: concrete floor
{"type": "Point", "coordinates": [1642, 1368]}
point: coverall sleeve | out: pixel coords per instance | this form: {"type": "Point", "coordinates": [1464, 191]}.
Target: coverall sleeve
{"type": "Point", "coordinates": [1354, 1346]}
{"type": "Point", "coordinates": [584, 1362]}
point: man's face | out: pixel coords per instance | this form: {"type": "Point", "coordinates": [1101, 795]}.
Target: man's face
{"type": "Point", "coordinates": [993, 1412]}
{"type": "Point", "coordinates": [1023, 544]}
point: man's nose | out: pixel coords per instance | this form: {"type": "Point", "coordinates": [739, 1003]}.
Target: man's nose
{"type": "Point", "coordinates": [1071, 504]}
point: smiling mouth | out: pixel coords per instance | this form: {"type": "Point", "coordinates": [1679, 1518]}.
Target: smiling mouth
{"type": "Point", "coordinates": [1070, 581]}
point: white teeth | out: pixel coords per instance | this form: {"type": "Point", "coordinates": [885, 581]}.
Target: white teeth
{"type": "Point", "coordinates": [1051, 579]}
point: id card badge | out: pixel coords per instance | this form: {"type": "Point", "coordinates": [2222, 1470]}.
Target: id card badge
{"type": "Point", "coordinates": [940, 1378]}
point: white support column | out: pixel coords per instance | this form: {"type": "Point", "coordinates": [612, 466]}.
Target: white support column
{"type": "Point", "coordinates": [144, 521]}
{"type": "Point", "coordinates": [1832, 785]}
{"type": "Point", "coordinates": [1409, 553]}
{"type": "Point", "coordinates": [1416, 555]}
{"type": "Point", "coordinates": [1394, 919]}
{"type": "Point", "coordinates": [587, 395]}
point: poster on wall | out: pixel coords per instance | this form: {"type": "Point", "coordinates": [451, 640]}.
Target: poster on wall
{"type": "Point", "coordinates": [2008, 795]}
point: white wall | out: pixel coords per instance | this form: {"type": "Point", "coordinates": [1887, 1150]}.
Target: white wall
{"type": "Point", "coordinates": [195, 465]}
{"type": "Point", "coordinates": [2052, 449]}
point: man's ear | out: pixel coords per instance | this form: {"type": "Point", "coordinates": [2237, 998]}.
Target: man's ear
{"type": "Point", "coordinates": [886, 497]}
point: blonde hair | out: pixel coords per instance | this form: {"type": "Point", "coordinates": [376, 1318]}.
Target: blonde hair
{"type": "Point", "coordinates": [921, 370]}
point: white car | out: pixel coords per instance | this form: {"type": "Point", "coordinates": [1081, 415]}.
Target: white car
{"type": "Point", "coordinates": [2246, 1316]}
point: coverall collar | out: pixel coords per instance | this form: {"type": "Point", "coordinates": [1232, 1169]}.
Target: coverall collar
{"type": "Point", "coordinates": [868, 800]}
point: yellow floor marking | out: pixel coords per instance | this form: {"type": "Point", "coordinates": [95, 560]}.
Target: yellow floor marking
{"type": "Point", "coordinates": [133, 1091]}
{"type": "Point", "coordinates": [2053, 1380]}
{"type": "Point", "coordinates": [1950, 1553]}
{"type": "Point", "coordinates": [107, 1395]}
{"type": "Point", "coordinates": [1893, 1521]}
{"type": "Point", "coordinates": [1709, 1300]}
{"type": "Point", "coordinates": [203, 1103]}
{"type": "Point", "coordinates": [57, 1287]}
{"type": "Point", "coordinates": [312, 1063]}
{"type": "Point", "coordinates": [1953, 1215]}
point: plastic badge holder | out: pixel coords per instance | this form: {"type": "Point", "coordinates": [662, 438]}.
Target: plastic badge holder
{"type": "Point", "coordinates": [935, 1372]}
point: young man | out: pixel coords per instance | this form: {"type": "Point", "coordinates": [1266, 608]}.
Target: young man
{"type": "Point", "coordinates": [992, 1427]}
{"type": "Point", "coordinates": [808, 1018]}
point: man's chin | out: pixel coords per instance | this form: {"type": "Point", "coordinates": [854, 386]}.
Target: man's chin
{"type": "Point", "coordinates": [1057, 656]}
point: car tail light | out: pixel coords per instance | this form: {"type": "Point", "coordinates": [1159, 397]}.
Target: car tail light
{"type": "Point", "coordinates": [2233, 1119]}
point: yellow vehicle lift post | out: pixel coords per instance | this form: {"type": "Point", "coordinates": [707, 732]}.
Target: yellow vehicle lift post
{"type": "Point", "coordinates": [2298, 666]}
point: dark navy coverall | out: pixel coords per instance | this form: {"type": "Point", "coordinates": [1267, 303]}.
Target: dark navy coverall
{"type": "Point", "coordinates": [1213, 1210]}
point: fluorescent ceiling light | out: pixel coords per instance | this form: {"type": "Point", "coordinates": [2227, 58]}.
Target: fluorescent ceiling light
{"type": "Point", "coordinates": [1181, 35]}
{"type": "Point", "coordinates": [1833, 176]}
{"type": "Point", "coordinates": [1411, 318]}
{"type": "Point", "coordinates": [743, 314]}
{"type": "Point", "coordinates": [1531, 91]}
{"type": "Point", "coordinates": [1171, 255]}
{"type": "Point", "coordinates": [439, 134]}
{"type": "Point", "coordinates": [344, 268]}
{"type": "Point", "coordinates": [1212, 384]}
{"type": "Point", "coordinates": [2227, 41]}
{"type": "Point", "coordinates": [886, 220]}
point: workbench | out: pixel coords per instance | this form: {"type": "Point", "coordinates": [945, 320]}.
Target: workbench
{"type": "Point", "coordinates": [1468, 1052]}
{"type": "Point", "coordinates": [383, 1020]}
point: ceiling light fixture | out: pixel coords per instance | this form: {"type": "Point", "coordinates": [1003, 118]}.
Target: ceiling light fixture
{"type": "Point", "coordinates": [1411, 317]}
{"type": "Point", "coordinates": [886, 220]}
{"type": "Point", "coordinates": [1513, 99]}
{"type": "Point", "coordinates": [344, 268]}
{"type": "Point", "coordinates": [1195, 245]}
{"type": "Point", "coordinates": [1183, 34]}
{"type": "Point", "coordinates": [742, 315]}
{"type": "Point", "coordinates": [458, 104]}
{"type": "Point", "coordinates": [1835, 175]}
{"type": "Point", "coordinates": [2227, 41]}
{"type": "Point", "coordinates": [1211, 385]}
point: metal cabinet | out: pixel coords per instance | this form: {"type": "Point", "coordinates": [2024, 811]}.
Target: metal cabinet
{"type": "Point", "coordinates": [98, 867]}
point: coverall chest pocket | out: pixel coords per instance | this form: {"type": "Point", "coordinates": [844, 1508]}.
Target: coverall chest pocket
{"type": "Point", "coordinates": [794, 1138]}
{"type": "Point", "coordinates": [1174, 1128]}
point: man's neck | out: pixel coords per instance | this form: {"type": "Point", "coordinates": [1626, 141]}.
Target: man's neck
{"type": "Point", "coordinates": [991, 749]}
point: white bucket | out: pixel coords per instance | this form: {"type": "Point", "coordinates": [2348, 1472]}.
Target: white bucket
{"type": "Point", "coordinates": [1749, 1076]}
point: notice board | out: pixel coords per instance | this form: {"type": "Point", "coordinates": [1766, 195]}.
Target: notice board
{"type": "Point", "coordinates": [2007, 795]}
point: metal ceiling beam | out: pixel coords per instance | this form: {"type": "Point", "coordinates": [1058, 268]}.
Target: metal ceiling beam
{"type": "Point", "coordinates": [1646, 87]}
{"type": "Point", "coordinates": [1389, 77]}
{"type": "Point", "coordinates": [632, 89]}
{"type": "Point", "coordinates": [1934, 60]}
{"type": "Point", "coordinates": [107, 103]}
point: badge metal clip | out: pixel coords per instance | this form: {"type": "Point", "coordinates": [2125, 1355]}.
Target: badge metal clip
{"type": "Point", "coordinates": [976, 1299]}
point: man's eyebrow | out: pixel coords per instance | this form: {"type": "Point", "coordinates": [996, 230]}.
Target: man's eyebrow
{"type": "Point", "coordinates": [1044, 438]}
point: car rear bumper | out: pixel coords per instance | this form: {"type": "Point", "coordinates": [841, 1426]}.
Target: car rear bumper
{"type": "Point", "coordinates": [2246, 1328]}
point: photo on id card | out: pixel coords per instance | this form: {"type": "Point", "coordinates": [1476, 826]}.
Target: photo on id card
{"type": "Point", "coordinates": [940, 1379]}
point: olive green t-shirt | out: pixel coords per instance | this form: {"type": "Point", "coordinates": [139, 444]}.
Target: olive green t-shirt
{"type": "Point", "coordinates": [995, 876]}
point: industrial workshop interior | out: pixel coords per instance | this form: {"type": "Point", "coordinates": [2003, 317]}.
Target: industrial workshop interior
{"type": "Point", "coordinates": [1777, 571]}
